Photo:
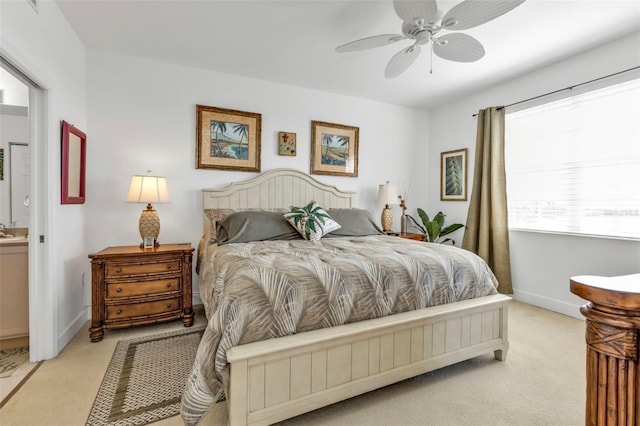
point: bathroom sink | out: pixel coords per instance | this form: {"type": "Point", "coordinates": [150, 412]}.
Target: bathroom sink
{"type": "Point", "coordinates": [13, 239]}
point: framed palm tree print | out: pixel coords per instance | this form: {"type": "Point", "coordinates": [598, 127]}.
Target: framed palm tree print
{"type": "Point", "coordinates": [334, 149]}
{"type": "Point", "coordinates": [227, 139]}
{"type": "Point", "coordinates": [453, 175]}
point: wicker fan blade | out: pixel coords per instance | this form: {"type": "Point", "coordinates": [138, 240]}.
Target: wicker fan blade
{"type": "Point", "coordinates": [401, 61]}
{"type": "Point", "coordinates": [458, 47]}
{"type": "Point", "coordinates": [471, 13]}
{"type": "Point", "coordinates": [410, 10]}
{"type": "Point", "coordinates": [370, 42]}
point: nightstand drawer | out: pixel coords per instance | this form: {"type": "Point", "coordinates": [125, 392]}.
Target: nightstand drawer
{"type": "Point", "coordinates": [142, 288]}
{"type": "Point", "coordinates": [132, 310]}
{"type": "Point", "coordinates": [124, 269]}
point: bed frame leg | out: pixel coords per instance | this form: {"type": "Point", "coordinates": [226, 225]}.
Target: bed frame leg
{"type": "Point", "coordinates": [500, 354]}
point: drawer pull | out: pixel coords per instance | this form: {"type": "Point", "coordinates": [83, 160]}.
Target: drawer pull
{"type": "Point", "coordinates": [168, 305]}
{"type": "Point", "coordinates": [168, 266]}
{"type": "Point", "coordinates": [168, 285]}
{"type": "Point", "coordinates": [119, 311]}
{"type": "Point", "coordinates": [118, 290]}
{"type": "Point", "coordinates": [118, 270]}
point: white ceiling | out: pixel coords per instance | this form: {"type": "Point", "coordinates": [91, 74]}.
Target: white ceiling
{"type": "Point", "coordinates": [293, 42]}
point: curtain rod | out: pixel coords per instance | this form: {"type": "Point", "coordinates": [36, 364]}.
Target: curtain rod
{"type": "Point", "coordinates": [566, 88]}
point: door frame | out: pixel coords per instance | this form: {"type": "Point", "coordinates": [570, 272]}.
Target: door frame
{"type": "Point", "coordinates": [43, 304]}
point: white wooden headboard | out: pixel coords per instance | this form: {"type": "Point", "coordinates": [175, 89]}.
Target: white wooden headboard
{"type": "Point", "coordinates": [277, 188]}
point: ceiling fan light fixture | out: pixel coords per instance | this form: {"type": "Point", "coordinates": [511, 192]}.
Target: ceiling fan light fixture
{"type": "Point", "coordinates": [422, 20]}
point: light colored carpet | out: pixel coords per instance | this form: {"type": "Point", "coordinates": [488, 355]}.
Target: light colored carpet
{"type": "Point", "coordinates": [145, 379]}
{"type": "Point", "coordinates": [542, 382]}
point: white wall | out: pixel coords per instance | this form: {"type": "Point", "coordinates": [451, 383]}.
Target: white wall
{"type": "Point", "coordinates": [46, 48]}
{"type": "Point", "coordinates": [541, 263]}
{"type": "Point", "coordinates": [142, 115]}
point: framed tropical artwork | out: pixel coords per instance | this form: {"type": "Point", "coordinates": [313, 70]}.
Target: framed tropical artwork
{"type": "Point", "coordinates": [453, 175]}
{"type": "Point", "coordinates": [334, 149]}
{"type": "Point", "coordinates": [227, 139]}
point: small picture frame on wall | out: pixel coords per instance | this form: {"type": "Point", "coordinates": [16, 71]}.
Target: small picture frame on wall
{"type": "Point", "coordinates": [334, 149]}
{"type": "Point", "coordinates": [227, 139]}
{"type": "Point", "coordinates": [453, 175]}
{"type": "Point", "coordinates": [287, 143]}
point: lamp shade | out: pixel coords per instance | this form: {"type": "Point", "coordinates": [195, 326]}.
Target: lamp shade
{"type": "Point", "coordinates": [148, 189]}
{"type": "Point", "coordinates": [387, 194]}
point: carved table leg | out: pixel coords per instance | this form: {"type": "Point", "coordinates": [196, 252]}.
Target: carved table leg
{"type": "Point", "coordinates": [613, 353]}
{"type": "Point", "coordinates": [187, 318]}
{"type": "Point", "coordinates": [96, 333]}
{"type": "Point", "coordinates": [612, 369]}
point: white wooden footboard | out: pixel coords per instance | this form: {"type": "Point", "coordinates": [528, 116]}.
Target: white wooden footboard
{"type": "Point", "coordinates": [280, 378]}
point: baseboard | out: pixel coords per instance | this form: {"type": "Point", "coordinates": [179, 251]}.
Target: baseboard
{"type": "Point", "coordinates": [12, 333]}
{"type": "Point", "coordinates": [72, 329]}
{"type": "Point", "coordinates": [548, 303]}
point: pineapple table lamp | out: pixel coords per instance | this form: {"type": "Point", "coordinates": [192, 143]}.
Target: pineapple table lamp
{"type": "Point", "coordinates": [148, 189]}
{"type": "Point", "coordinates": [387, 194]}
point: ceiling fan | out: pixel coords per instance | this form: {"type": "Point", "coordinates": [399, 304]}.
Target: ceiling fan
{"type": "Point", "coordinates": [422, 22]}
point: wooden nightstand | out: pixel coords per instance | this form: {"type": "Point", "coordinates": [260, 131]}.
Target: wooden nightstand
{"type": "Point", "coordinates": [134, 286]}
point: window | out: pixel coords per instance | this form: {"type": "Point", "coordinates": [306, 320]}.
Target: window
{"type": "Point", "coordinates": [573, 165]}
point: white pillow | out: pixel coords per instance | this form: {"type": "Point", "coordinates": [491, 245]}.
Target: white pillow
{"type": "Point", "coordinates": [312, 221]}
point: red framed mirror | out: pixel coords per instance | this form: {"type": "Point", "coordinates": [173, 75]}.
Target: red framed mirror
{"type": "Point", "coordinates": [74, 150]}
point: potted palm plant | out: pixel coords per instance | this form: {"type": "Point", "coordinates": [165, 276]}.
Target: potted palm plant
{"type": "Point", "coordinates": [434, 228]}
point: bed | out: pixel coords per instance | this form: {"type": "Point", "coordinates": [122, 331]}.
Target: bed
{"type": "Point", "coordinates": [357, 312]}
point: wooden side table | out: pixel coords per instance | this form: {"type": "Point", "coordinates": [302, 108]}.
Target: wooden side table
{"type": "Point", "coordinates": [410, 236]}
{"type": "Point", "coordinates": [613, 354]}
{"type": "Point", "coordinates": [132, 286]}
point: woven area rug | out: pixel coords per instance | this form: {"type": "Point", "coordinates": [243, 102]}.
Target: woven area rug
{"type": "Point", "coordinates": [145, 379]}
{"type": "Point", "coordinates": [11, 359]}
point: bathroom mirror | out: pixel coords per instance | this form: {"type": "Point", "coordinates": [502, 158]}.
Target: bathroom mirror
{"type": "Point", "coordinates": [20, 178]}
{"type": "Point", "coordinates": [14, 184]}
{"type": "Point", "coordinates": [74, 148]}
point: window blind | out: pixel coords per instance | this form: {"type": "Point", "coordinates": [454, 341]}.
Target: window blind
{"type": "Point", "coordinates": [573, 165]}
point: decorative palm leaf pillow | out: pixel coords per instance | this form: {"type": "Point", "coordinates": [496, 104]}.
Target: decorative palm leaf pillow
{"type": "Point", "coordinates": [312, 221]}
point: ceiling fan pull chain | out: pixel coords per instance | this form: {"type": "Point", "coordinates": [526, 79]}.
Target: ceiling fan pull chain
{"type": "Point", "coordinates": [431, 59]}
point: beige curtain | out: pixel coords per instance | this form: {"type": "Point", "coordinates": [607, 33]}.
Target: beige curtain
{"type": "Point", "coordinates": [486, 232]}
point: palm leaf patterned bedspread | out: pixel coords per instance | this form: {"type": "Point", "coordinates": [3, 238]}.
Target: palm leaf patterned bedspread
{"type": "Point", "coordinates": [261, 290]}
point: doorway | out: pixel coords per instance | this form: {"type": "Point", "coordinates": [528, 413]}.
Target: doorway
{"type": "Point", "coordinates": [41, 296]}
